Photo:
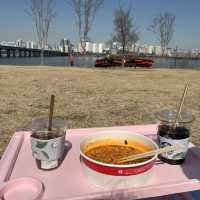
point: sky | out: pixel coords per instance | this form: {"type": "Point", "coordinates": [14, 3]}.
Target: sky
{"type": "Point", "coordinates": [15, 23]}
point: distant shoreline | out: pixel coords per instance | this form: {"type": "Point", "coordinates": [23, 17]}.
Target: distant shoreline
{"type": "Point", "coordinates": [89, 61]}
{"type": "Point", "coordinates": [103, 55]}
{"type": "Point", "coordinates": [48, 67]}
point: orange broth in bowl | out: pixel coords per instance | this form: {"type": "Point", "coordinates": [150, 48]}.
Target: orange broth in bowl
{"type": "Point", "coordinates": [110, 152]}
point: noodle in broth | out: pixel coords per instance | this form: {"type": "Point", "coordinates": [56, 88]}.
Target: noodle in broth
{"type": "Point", "coordinates": [112, 153]}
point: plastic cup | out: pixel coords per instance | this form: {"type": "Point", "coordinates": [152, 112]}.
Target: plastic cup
{"type": "Point", "coordinates": [48, 146]}
{"type": "Point", "coordinates": [174, 134]}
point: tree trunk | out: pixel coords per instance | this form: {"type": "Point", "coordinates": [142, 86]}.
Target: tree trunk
{"type": "Point", "coordinates": [123, 52]}
{"type": "Point", "coordinates": [123, 61]}
{"type": "Point", "coordinates": [134, 48]}
{"type": "Point", "coordinates": [163, 51]}
{"type": "Point", "coordinates": [123, 49]}
{"type": "Point", "coordinates": [83, 46]}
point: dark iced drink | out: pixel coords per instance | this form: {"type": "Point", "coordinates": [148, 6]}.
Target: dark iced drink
{"type": "Point", "coordinates": [48, 146]}
{"type": "Point", "coordinates": [174, 134]}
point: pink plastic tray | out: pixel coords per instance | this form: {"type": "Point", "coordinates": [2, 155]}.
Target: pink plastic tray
{"type": "Point", "coordinates": [69, 181]}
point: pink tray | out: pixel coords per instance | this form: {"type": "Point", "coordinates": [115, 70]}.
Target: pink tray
{"type": "Point", "coordinates": [69, 181]}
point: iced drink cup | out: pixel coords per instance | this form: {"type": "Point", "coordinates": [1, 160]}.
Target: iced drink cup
{"type": "Point", "coordinates": [48, 146]}
{"type": "Point", "coordinates": [174, 134]}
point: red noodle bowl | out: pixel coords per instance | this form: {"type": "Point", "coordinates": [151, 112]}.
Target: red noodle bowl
{"type": "Point", "coordinates": [105, 144]}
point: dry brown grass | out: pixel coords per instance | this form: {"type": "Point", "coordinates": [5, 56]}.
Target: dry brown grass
{"type": "Point", "coordinates": [93, 97]}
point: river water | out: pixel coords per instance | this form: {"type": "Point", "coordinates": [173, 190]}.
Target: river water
{"type": "Point", "coordinates": [88, 61]}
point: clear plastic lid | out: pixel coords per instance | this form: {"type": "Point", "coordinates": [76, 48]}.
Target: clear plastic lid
{"type": "Point", "coordinates": [41, 123]}
{"type": "Point", "coordinates": [170, 115]}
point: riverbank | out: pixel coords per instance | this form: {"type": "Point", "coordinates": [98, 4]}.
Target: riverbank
{"type": "Point", "coordinates": [93, 97]}
{"type": "Point", "coordinates": [88, 61]}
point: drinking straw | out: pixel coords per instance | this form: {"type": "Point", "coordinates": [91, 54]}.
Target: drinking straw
{"type": "Point", "coordinates": [51, 112]}
{"type": "Point", "coordinates": [180, 105]}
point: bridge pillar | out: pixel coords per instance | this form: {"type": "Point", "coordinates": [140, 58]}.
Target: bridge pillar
{"type": "Point", "coordinates": [8, 52]}
{"type": "Point", "coordinates": [14, 53]}
{"type": "Point", "coordinates": [17, 53]}
{"type": "Point", "coordinates": [35, 53]}
{"type": "Point", "coordinates": [20, 53]}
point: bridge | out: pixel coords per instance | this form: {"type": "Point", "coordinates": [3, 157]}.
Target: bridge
{"type": "Point", "coordinates": [11, 51]}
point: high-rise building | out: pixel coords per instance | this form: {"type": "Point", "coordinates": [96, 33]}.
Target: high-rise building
{"type": "Point", "coordinates": [101, 47]}
{"type": "Point", "coordinates": [56, 47]}
{"type": "Point", "coordinates": [76, 48]}
{"type": "Point", "coordinates": [151, 49]}
{"type": "Point", "coordinates": [95, 48]}
{"type": "Point", "coordinates": [158, 50]}
{"type": "Point", "coordinates": [80, 48]}
{"type": "Point", "coordinates": [20, 43]}
{"type": "Point", "coordinates": [4, 43]}
{"type": "Point", "coordinates": [88, 47]}
{"type": "Point", "coordinates": [91, 47]}
{"type": "Point", "coordinates": [12, 44]}
{"type": "Point", "coordinates": [66, 45]}
{"type": "Point", "coordinates": [30, 44]}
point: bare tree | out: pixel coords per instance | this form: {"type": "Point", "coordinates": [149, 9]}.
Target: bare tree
{"type": "Point", "coordinates": [135, 38]}
{"type": "Point", "coordinates": [163, 27]}
{"type": "Point", "coordinates": [124, 32]}
{"type": "Point", "coordinates": [42, 12]}
{"type": "Point", "coordinates": [85, 11]}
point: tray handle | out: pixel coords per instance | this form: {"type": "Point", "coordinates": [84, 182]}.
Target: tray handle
{"type": "Point", "coordinates": [10, 156]}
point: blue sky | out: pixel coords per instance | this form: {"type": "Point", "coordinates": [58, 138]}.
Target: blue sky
{"type": "Point", "coordinates": [15, 23]}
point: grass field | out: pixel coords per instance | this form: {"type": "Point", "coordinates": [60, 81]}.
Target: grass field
{"type": "Point", "coordinates": [93, 97]}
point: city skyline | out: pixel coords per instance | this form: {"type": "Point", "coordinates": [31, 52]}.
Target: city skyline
{"type": "Point", "coordinates": [186, 29]}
